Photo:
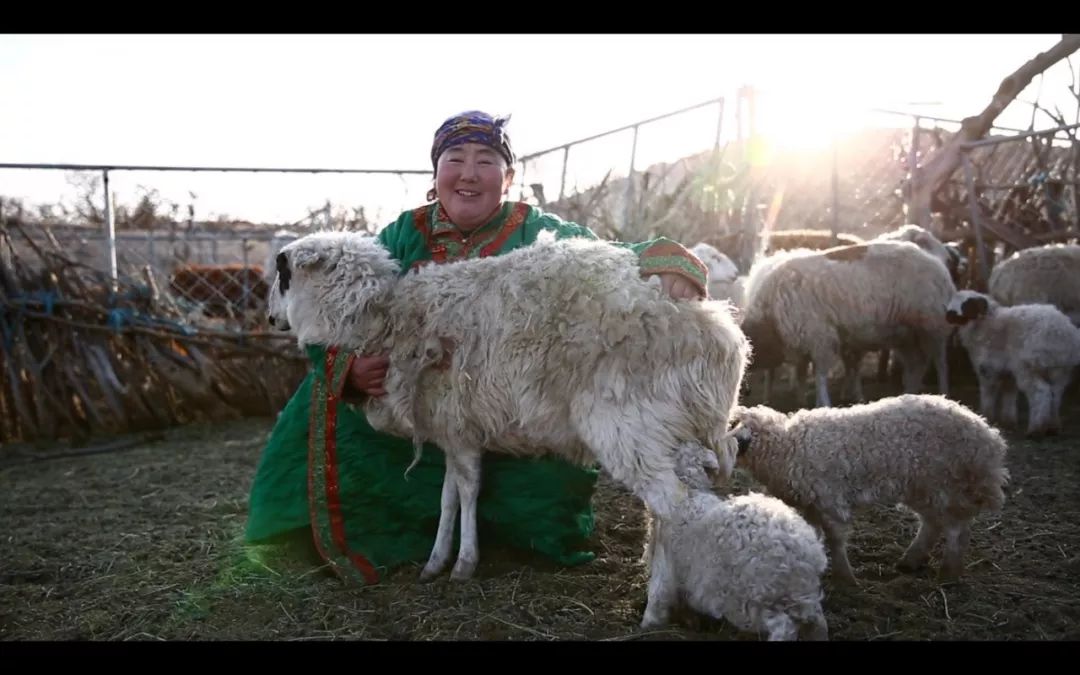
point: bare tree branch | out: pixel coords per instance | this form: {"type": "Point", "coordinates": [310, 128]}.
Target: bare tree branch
{"type": "Point", "coordinates": [941, 165]}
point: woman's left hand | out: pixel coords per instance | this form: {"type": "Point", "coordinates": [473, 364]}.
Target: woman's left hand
{"type": "Point", "coordinates": [678, 287]}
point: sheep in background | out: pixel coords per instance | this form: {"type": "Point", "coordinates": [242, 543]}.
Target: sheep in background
{"type": "Point", "coordinates": [837, 304]}
{"type": "Point", "coordinates": [1031, 347]}
{"type": "Point", "coordinates": [768, 348]}
{"type": "Point", "coordinates": [1043, 275]}
{"type": "Point", "coordinates": [931, 454]}
{"type": "Point", "coordinates": [724, 280]}
{"type": "Point", "coordinates": [950, 256]}
{"type": "Point", "coordinates": [751, 559]}
{"type": "Point", "coordinates": [559, 347]}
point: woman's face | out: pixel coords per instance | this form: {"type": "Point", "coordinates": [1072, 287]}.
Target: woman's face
{"type": "Point", "coordinates": [470, 181]}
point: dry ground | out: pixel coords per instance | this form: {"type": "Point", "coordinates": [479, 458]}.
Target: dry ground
{"type": "Point", "coordinates": [143, 544]}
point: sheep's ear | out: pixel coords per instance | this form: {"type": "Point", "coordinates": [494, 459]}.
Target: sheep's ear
{"type": "Point", "coordinates": [973, 308]}
{"type": "Point", "coordinates": [284, 272]}
{"type": "Point", "coordinates": [306, 257]}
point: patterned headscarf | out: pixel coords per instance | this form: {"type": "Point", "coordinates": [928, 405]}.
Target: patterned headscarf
{"type": "Point", "coordinates": [473, 126]}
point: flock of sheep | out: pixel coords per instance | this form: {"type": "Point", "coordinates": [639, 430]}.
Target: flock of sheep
{"type": "Point", "coordinates": [563, 348]}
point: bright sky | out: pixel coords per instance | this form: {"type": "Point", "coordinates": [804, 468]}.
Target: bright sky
{"type": "Point", "coordinates": [373, 101]}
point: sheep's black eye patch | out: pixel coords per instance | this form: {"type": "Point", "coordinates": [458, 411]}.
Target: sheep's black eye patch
{"type": "Point", "coordinates": [284, 273]}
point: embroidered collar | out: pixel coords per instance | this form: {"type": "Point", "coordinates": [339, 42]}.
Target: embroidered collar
{"type": "Point", "coordinates": [442, 227]}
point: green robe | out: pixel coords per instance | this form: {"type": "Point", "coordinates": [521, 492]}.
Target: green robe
{"type": "Point", "coordinates": [324, 465]}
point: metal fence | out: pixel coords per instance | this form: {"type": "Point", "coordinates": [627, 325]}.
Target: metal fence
{"type": "Point", "coordinates": [652, 176]}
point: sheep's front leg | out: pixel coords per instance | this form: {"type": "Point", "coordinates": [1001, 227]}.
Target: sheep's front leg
{"type": "Point", "coordinates": [989, 391]}
{"type": "Point", "coordinates": [941, 365]}
{"type": "Point", "coordinates": [1059, 382]}
{"type": "Point", "coordinates": [957, 537]}
{"type": "Point", "coordinates": [1040, 398]}
{"type": "Point", "coordinates": [662, 591]}
{"type": "Point", "coordinates": [836, 540]}
{"type": "Point", "coordinates": [918, 552]}
{"type": "Point", "coordinates": [823, 365]}
{"type": "Point", "coordinates": [853, 376]}
{"type": "Point", "coordinates": [440, 552]}
{"type": "Point", "coordinates": [1007, 404]}
{"type": "Point", "coordinates": [915, 366]}
{"type": "Point", "coordinates": [468, 475]}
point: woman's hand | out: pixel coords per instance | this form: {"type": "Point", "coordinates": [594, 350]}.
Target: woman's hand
{"type": "Point", "coordinates": [367, 373]}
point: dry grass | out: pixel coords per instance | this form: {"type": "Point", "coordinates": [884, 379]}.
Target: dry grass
{"type": "Point", "coordinates": [144, 545]}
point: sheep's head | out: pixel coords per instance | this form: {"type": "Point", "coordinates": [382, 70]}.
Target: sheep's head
{"type": "Point", "coordinates": [327, 283]}
{"type": "Point", "coordinates": [697, 466]}
{"type": "Point", "coordinates": [719, 265]}
{"type": "Point", "coordinates": [967, 306]}
{"type": "Point", "coordinates": [749, 425]}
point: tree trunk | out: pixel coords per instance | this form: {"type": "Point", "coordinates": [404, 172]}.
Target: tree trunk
{"type": "Point", "coordinates": [927, 178]}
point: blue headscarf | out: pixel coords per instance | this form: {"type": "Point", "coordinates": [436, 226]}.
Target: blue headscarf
{"type": "Point", "coordinates": [473, 126]}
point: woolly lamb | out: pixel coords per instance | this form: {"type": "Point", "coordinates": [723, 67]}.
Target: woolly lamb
{"type": "Point", "coordinates": [1042, 275]}
{"type": "Point", "coordinates": [931, 454]}
{"type": "Point", "coordinates": [1030, 347]}
{"type": "Point", "coordinates": [559, 347]}
{"type": "Point", "coordinates": [751, 560]}
{"type": "Point", "coordinates": [835, 305]}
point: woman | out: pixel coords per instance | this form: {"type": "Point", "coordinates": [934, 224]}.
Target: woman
{"type": "Point", "coordinates": [328, 476]}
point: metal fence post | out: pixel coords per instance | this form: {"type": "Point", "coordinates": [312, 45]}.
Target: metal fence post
{"type": "Point", "coordinates": [562, 180]}
{"type": "Point", "coordinates": [110, 226]}
{"type": "Point", "coordinates": [630, 181]}
{"type": "Point", "coordinates": [976, 219]}
{"type": "Point", "coordinates": [835, 185]}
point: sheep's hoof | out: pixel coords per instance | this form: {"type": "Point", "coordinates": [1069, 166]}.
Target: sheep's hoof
{"type": "Point", "coordinates": [430, 572]}
{"type": "Point", "coordinates": [651, 622]}
{"type": "Point", "coordinates": [949, 574]}
{"type": "Point", "coordinates": [463, 570]}
{"type": "Point", "coordinates": [910, 567]}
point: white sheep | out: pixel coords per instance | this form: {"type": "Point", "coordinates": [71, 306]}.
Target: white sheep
{"type": "Point", "coordinates": [559, 347]}
{"type": "Point", "coordinates": [769, 353]}
{"type": "Point", "coordinates": [836, 304]}
{"type": "Point", "coordinates": [1041, 275]}
{"type": "Point", "coordinates": [1033, 348]}
{"type": "Point", "coordinates": [940, 459]}
{"type": "Point", "coordinates": [950, 256]}
{"type": "Point", "coordinates": [750, 560]}
{"type": "Point", "coordinates": [724, 280]}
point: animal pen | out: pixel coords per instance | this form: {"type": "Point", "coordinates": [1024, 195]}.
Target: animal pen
{"type": "Point", "coordinates": [148, 544]}
{"type": "Point", "coordinates": [108, 329]}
